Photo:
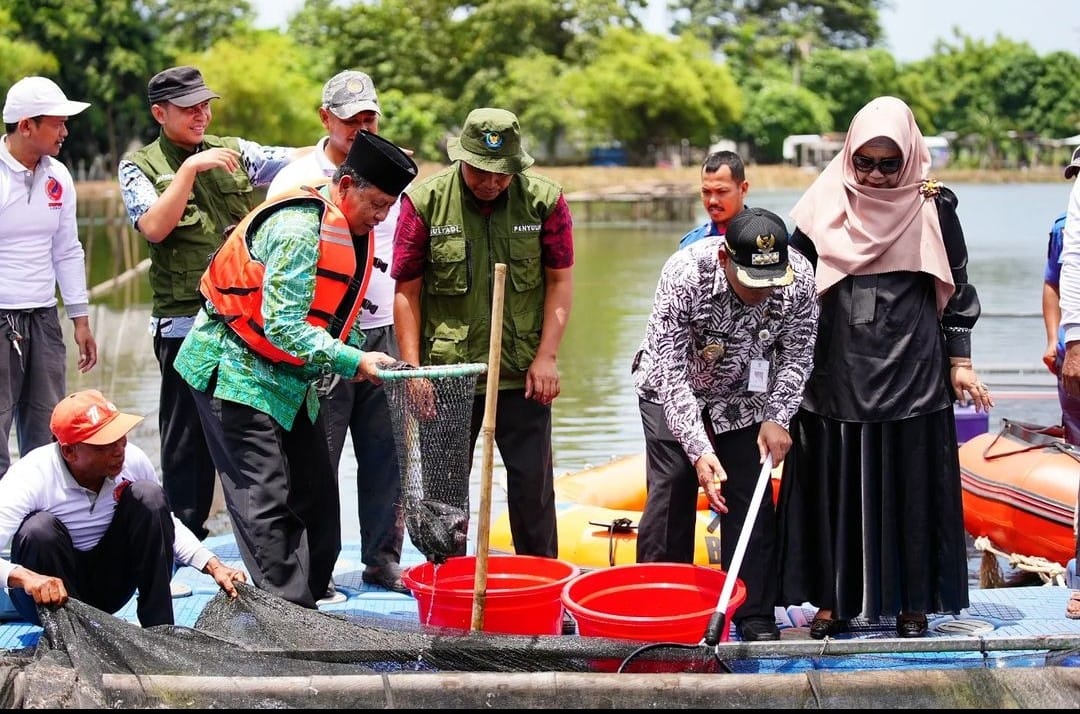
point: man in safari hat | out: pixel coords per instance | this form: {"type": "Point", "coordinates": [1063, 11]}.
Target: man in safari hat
{"type": "Point", "coordinates": [720, 373]}
{"type": "Point", "coordinates": [484, 209]}
{"type": "Point", "coordinates": [41, 245]}
{"type": "Point", "coordinates": [87, 518]}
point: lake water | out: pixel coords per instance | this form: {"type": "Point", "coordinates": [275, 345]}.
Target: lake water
{"type": "Point", "coordinates": [596, 417]}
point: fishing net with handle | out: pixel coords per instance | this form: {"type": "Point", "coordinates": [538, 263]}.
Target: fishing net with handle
{"type": "Point", "coordinates": [431, 411]}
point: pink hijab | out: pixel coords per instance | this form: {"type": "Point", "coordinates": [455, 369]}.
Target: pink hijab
{"type": "Point", "coordinates": [862, 230]}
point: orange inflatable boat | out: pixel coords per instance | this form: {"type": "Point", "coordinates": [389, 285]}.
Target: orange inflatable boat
{"type": "Point", "coordinates": [1019, 490]}
{"type": "Point", "coordinates": [598, 512]}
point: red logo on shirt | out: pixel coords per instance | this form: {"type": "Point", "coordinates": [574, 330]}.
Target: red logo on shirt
{"type": "Point", "coordinates": [55, 191]}
{"type": "Point", "coordinates": [121, 486]}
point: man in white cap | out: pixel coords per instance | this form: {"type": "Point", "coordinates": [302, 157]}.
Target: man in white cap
{"type": "Point", "coordinates": [182, 191]}
{"type": "Point", "coordinates": [41, 245]}
{"type": "Point", "coordinates": [87, 519]}
{"type": "Point", "coordinates": [349, 105]}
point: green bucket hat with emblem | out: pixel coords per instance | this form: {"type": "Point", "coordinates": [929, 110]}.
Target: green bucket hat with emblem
{"type": "Point", "coordinates": [490, 141]}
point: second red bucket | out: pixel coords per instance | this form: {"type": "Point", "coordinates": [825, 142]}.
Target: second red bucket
{"type": "Point", "coordinates": [523, 593]}
{"type": "Point", "coordinates": [651, 602]}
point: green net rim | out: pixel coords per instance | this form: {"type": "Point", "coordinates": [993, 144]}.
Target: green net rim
{"type": "Point", "coordinates": [432, 371]}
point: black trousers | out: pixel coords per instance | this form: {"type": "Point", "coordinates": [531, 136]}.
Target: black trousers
{"type": "Point", "coordinates": [136, 553]}
{"type": "Point", "coordinates": [187, 469]}
{"type": "Point", "coordinates": [666, 530]}
{"type": "Point", "coordinates": [523, 435]}
{"type": "Point", "coordinates": [281, 494]}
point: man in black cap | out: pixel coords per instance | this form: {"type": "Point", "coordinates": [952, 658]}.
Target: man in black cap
{"type": "Point", "coordinates": [720, 373]}
{"type": "Point", "coordinates": [181, 192]}
{"type": "Point", "coordinates": [282, 298]}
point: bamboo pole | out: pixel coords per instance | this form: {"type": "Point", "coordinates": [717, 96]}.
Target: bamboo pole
{"type": "Point", "coordinates": [487, 430]}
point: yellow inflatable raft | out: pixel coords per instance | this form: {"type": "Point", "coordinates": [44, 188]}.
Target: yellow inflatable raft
{"type": "Point", "coordinates": [598, 512]}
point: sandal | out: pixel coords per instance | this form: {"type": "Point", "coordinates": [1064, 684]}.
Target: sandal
{"type": "Point", "coordinates": [1072, 605]}
{"type": "Point", "coordinates": [913, 625]}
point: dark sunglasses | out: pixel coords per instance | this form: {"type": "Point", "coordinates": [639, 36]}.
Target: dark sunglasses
{"type": "Point", "coordinates": [885, 166]}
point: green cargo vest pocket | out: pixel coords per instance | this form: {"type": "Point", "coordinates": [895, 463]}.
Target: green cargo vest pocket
{"type": "Point", "coordinates": [525, 270]}
{"type": "Point", "coordinates": [526, 340]}
{"type": "Point", "coordinates": [449, 266]}
{"type": "Point", "coordinates": [235, 188]}
{"type": "Point", "coordinates": [448, 343]}
{"type": "Point", "coordinates": [188, 268]}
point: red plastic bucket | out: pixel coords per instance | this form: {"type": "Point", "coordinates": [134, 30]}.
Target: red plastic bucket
{"type": "Point", "coordinates": [651, 602]}
{"type": "Point", "coordinates": [523, 593]}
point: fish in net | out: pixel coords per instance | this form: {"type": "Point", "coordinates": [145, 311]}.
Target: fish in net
{"type": "Point", "coordinates": [431, 410]}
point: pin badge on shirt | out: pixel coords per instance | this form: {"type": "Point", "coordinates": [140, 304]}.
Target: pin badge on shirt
{"type": "Point", "coordinates": [712, 352]}
{"type": "Point", "coordinates": [764, 335]}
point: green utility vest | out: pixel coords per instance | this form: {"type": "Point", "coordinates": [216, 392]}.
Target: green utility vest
{"type": "Point", "coordinates": [218, 200]}
{"type": "Point", "coordinates": [459, 271]}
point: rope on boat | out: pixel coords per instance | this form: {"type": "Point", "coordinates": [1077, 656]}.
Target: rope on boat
{"type": "Point", "coordinates": [1050, 572]}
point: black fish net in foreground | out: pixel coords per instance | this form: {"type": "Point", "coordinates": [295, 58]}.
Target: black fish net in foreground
{"type": "Point", "coordinates": [261, 651]}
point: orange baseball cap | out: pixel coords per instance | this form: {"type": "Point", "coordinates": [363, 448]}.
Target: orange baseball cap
{"type": "Point", "coordinates": [87, 417]}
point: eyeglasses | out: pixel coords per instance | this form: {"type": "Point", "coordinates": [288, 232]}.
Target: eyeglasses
{"type": "Point", "coordinates": [885, 166]}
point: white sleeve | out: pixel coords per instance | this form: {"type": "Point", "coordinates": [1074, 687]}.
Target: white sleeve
{"type": "Point", "coordinates": [1070, 268]}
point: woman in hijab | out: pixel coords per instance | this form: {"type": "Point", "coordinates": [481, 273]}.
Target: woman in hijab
{"type": "Point", "coordinates": [870, 511]}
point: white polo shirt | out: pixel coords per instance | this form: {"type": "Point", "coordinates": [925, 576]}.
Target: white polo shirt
{"type": "Point", "coordinates": [40, 481]}
{"type": "Point", "coordinates": [314, 165]}
{"type": "Point", "coordinates": [39, 237]}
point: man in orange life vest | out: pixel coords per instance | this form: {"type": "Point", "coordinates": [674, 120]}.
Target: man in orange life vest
{"type": "Point", "coordinates": [282, 296]}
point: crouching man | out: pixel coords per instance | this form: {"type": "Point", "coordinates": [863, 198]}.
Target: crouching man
{"type": "Point", "coordinates": [88, 519]}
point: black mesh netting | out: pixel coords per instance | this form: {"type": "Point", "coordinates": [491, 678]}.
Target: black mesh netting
{"type": "Point", "coordinates": [431, 410]}
{"type": "Point", "coordinates": [261, 651]}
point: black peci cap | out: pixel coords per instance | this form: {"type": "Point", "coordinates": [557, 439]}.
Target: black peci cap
{"type": "Point", "coordinates": [380, 162]}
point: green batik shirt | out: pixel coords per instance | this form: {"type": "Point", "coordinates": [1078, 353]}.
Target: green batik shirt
{"type": "Point", "coordinates": [288, 245]}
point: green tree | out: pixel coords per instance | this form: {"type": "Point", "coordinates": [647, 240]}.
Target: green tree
{"type": "Point", "coordinates": [1053, 106]}
{"type": "Point", "coordinates": [275, 108]}
{"type": "Point", "coordinates": [751, 31]}
{"type": "Point", "coordinates": [777, 111]}
{"type": "Point", "coordinates": [650, 92]}
{"type": "Point", "coordinates": [847, 79]}
{"type": "Point", "coordinates": [195, 25]}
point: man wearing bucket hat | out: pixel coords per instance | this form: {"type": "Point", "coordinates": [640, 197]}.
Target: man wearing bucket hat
{"type": "Point", "coordinates": [349, 104]}
{"type": "Point", "coordinates": [40, 241]}
{"type": "Point", "coordinates": [721, 370]}
{"type": "Point", "coordinates": [484, 209]}
{"type": "Point", "coordinates": [87, 519]}
{"type": "Point", "coordinates": [182, 191]}
{"type": "Point", "coordinates": [282, 297]}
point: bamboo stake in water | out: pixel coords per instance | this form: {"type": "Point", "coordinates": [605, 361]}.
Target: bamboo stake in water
{"type": "Point", "coordinates": [487, 431]}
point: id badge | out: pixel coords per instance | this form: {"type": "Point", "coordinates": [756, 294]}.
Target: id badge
{"type": "Point", "coordinates": [759, 375]}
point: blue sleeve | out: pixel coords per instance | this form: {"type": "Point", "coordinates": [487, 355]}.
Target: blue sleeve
{"type": "Point", "coordinates": [695, 235]}
{"type": "Point", "coordinates": [1052, 274]}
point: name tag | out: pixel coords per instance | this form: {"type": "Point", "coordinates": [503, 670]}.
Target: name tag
{"type": "Point", "coordinates": [759, 375]}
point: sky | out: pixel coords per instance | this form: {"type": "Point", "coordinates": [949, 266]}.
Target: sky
{"type": "Point", "coordinates": [911, 26]}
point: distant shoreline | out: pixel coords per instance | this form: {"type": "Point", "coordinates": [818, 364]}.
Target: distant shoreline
{"type": "Point", "coordinates": [685, 180]}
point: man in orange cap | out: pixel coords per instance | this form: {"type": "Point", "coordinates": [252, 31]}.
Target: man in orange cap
{"type": "Point", "coordinates": [88, 518]}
